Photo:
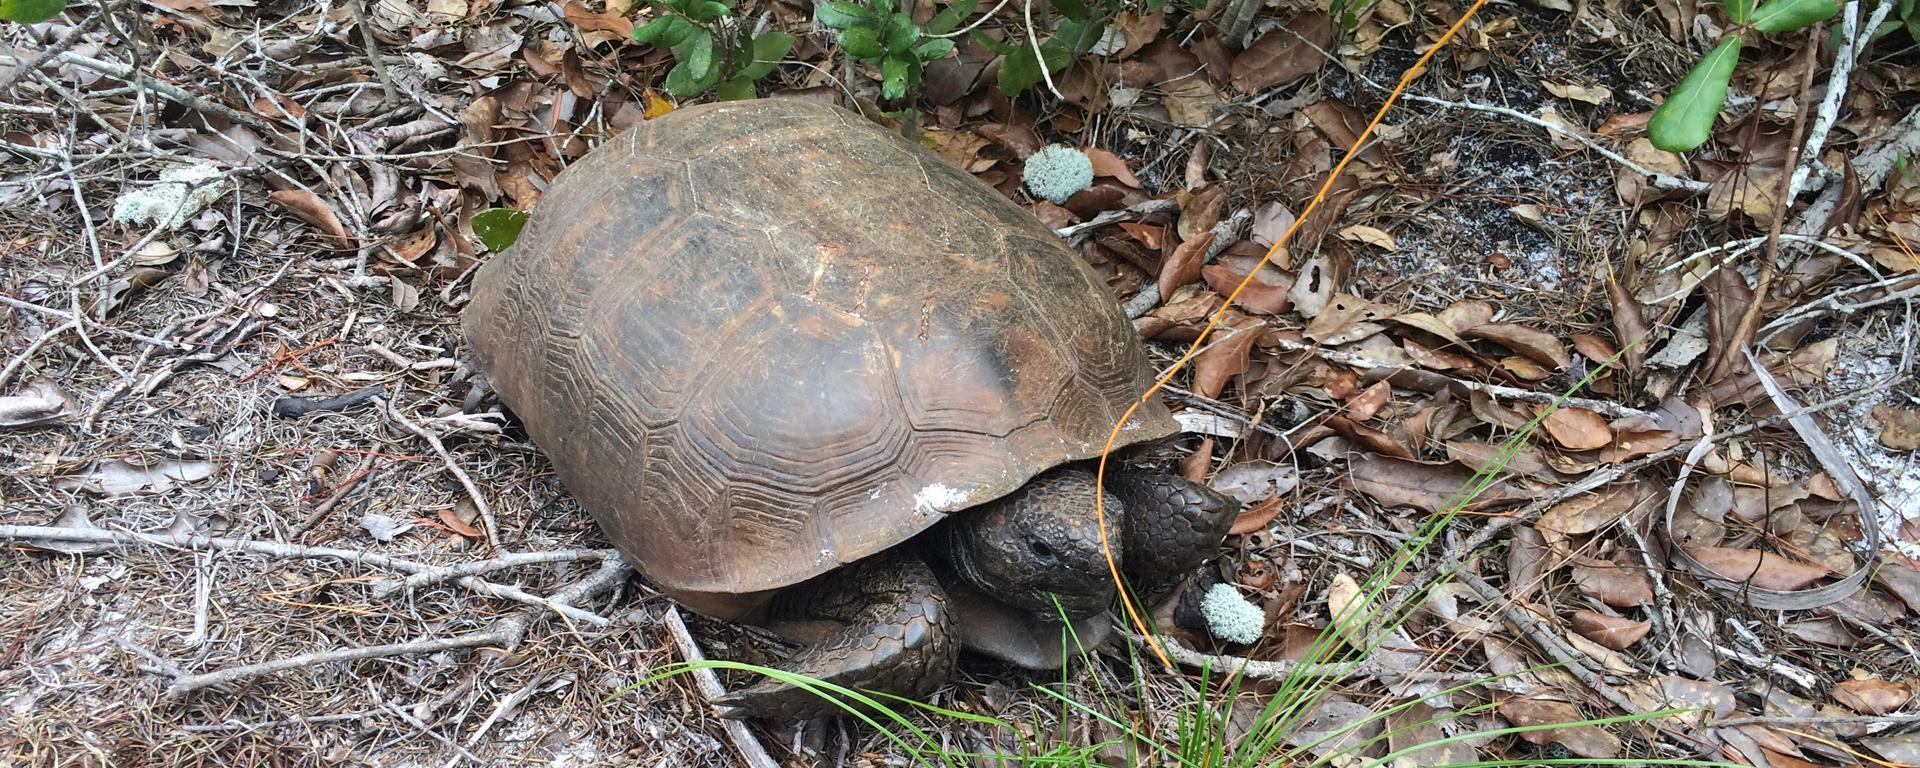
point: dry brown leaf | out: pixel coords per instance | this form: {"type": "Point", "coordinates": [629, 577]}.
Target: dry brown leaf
{"type": "Point", "coordinates": [1526, 562]}
{"type": "Point", "coordinates": [1577, 428]}
{"type": "Point", "coordinates": [1109, 164]}
{"type": "Point", "coordinates": [1346, 319]}
{"type": "Point", "coordinates": [1266, 294]}
{"type": "Point", "coordinates": [1347, 612]}
{"type": "Point", "coordinates": [1467, 314]}
{"type": "Point", "coordinates": [1901, 582]}
{"type": "Point", "coordinates": [452, 520]}
{"type": "Point", "coordinates": [114, 477]}
{"type": "Point", "coordinates": [1617, 584]}
{"type": "Point", "coordinates": [1411, 729]}
{"type": "Point", "coordinates": [1899, 427]}
{"type": "Point", "coordinates": [1871, 696]}
{"type": "Point", "coordinates": [40, 402]}
{"type": "Point", "coordinates": [1761, 569]}
{"type": "Point", "coordinates": [1595, 94]}
{"type": "Point", "coordinates": [1713, 700]}
{"type": "Point", "coordinates": [599, 27]}
{"type": "Point", "coordinates": [1282, 56]}
{"type": "Point", "coordinates": [1255, 517]}
{"type": "Point", "coordinates": [1616, 632]}
{"type": "Point", "coordinates": [1425, 486]}
{"type": "Point", "coordinates": [1583, 740]}
{"type": "Point", "coordinates": [1363, 406]}
{"type": "Point", "coordinates": [1374, 236]}
{"type": "Point", "coordinates": [309, 208]}
{"type": "Point", "coordinates": [1223, 358]}
{"type": "Point", "coordinates": [1590, 512]}
{"type": "Point", "coordinates": [1536, 345]}
{"type": "Point", "coordinates": [1369, 438]}
{"type": "Point", "coordinates": [1191, 102]}
{"type": "Point", "coordinates": [1184, 265]}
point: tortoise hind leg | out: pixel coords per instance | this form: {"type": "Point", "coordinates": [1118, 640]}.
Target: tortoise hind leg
{"type": "Point", "coordinates": [1172, 526]}
{"type": "Point", "coordinates": [897, 636]}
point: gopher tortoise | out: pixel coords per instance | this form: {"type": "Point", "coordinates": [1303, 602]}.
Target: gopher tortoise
{"type": "Point", "coordinates": [803, 372]}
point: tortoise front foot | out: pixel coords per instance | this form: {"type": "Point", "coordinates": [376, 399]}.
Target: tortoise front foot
{"type": "Point", "coordinates": [1172, 526]}
{"type": "Point", "coordinates": [897, 637]}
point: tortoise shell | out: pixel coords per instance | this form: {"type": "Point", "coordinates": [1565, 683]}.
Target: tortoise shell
{"type": "Point", "coordinates": [759, 340]}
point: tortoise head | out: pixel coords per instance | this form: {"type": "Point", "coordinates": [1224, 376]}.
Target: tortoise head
{"type": "Point", "coordinates": [1039, 544]}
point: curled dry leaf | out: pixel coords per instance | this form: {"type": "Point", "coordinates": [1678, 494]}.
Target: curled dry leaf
{"type": "Point", "coordinates": [1266, 294]}
{"type": "Point", "coordinates": [1425, 486]}
{"type": "Point", "coordinates": [1414, 733]}
{"type": "Point", "coordinates": [1109, 164]}
{"type": "Point", "coordinates": [1577, 428]}
{"type": "Point", "coordinates": [1872, 696]}
{"type": "Point", "coordinates": [1616, 632]}
{"type": "Point", "coordinates": [1184, 265]}
{"type": "Point", "coordinates": [1282, 56]}
{"type": "Point", "coordinates": [39, 403]}
{"type": "Point", "coordinates": [1583, 740]}
{"type": "Point", "coordinates": [1617, 584]}
{"type": "Point", "coordinates": [1761, 569]}
{"type": "Point", "coordinates": [308, 207]}
{"type": "Point", "coordinates": [1255, 517]}
{"type": "Point", "coordinates": [1899, 427]}
{"type": "Point", "coordinates": [1253, 482]}
{"type": "Point", "coordinates": [1368, 437]}
{"type": "Point", "coordinates": [1363, 406]}
{"type": "Point", "coordinates": [1709, 699]}
{"type": "Point", "coordinates": [1590, 512]}
{"type": "Point", "coordinates": [114, 477]}
{"type": "Point", "coordinates": [1531, 343]}
{"type": "Point", "coordinates": [1224, 357]}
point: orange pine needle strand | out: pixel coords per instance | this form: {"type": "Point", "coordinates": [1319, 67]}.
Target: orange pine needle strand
{"type": "Point", "coordinates": [1213, 321]}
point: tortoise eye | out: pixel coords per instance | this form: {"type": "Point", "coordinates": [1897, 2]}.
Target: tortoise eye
{"type": "Point", "coordinates": [1041, 550]}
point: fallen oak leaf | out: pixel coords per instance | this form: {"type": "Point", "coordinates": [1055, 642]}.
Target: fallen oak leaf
{"type": "Point", "coordinates": [308, 207]}
{"type": "Point", "coordinates": [1184, 265]}
{"type": "Point", "coordinates": [1106, 163]}
{"type": "Point", "coordinates": [1616, 632]}
{"type": "Point", "coordinates": [1584, 740]}
{"type": "Point", "coordinates": [1256, 517]}
{"type": "Point", "coordinates": [1225, 356]}
{"type": "Point", "coordinates": [1373, 439]}
{"type": "Point", "coordinates": [1871, 696]}
{"type": "Point", "coordinates": [1425, 486]}
{"type": "Point", "coordinates": [40, 403]}
{"type": "Point", "coordinates": [1577, 428]}
{"type": "Point", "coordinates": [1761, 569]}
{"type": "Point", "coordinates": [1534, 344]}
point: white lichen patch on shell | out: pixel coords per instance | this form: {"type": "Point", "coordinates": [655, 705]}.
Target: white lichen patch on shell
{"type": "Point", "coordinates": [939, 498]}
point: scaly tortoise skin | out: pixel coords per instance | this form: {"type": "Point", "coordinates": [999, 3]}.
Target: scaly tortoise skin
{"type": "Point", "coordinates": [768, 344]}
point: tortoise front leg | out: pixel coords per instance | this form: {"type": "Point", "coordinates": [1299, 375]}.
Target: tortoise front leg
{"type": "Point", "coordinates": [1172, 525]}
{"type": "Point", "coordinates": [897, 637]}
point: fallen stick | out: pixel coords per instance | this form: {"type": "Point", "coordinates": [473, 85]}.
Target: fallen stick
{"type": "Point", "coordinates": [709, 683]}
{"type": "Point", "coordinates": [506, 633]}
{"type": "Point", "coordinates": [43, 533]}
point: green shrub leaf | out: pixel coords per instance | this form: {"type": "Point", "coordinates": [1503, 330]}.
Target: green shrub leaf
{"type": "Point", "coordinates": [841, 15]}
{"type": "Point", "coordinates": [1740, 11]}
{"type": "Point", "coordinates": [31, 11]}
{"type": "Point", "coordinates": [1789, 15]}
{"type": "Point", "coordinates": [860, 43]}
{"type": "Point", "coordinates": [708, 11]}
{"type": "Point", "coordinates": [902, 33]}
{"type": "Point", "coordinates": [933, 50]}
{"type": "Point", "coordinates": [698, 54]}
{"type": "Point", "coordinates": [1072, 9]}
{"type": "Point", "coordinates": [498, 228]}
{"type": "Point", "coordinates": [895, 71]}
{"type": "Point", "coordinates": [1686, 119]}
{"type": "Point", "coordinates": [676, 32]}
{"type": "Point", "coordinates": [1002, 48]}
{"type": "Point", "coordinates": [652, 32]}
{"type": "Point", "coordinates": [949, 18]}
{"type": "Point", "coordinates": [737, 89]}
{"type": "Point", "coordinates": [768, 49]}
{"type": "Point", "coordinates": [1018, 72]}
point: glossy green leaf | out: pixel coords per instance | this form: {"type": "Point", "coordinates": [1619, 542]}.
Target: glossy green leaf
{"type": "Point", "coordinates": [31, 11]}
{"type": "Point", "coordinates": [1072, 9]}
{"type": "Point", "coordinates": [933, 50]}
{"type": "Point", "coordinates": [841, 15]}
{"type": "Point", "coordinates": [860, 43]}
{"type": "Point", "coordinates": [708, 11]}
{"type": "Point", "coordinates": [999, 47]}
{"type": "Point", "coordinates": [678, 29]}
{"type": "Point", "coordinates": [902, 33]}
{"type": "Point", "coordinates": [1019, 71]}
{"type": "Point", "coordinates": [499, 228]}
{"type": "Point", "coordinates": [894, 74]}
{"type": "Point", "coordinates": [697, 54]}
{"type": "Point", "coordinates": [1789, 15]}
{"type": "Point", "coordinates": [768, 49]}
{"type": "Point", "coordinates": [649, 33]}
{"type": "Point", "coordinates": [737, 89]}
{"type": "Point", "coordinates": [1739, 11]}
{"type": "Point", "coordinates": [949, 18]}
{"type": "Point", "coordinates": [1686, 119]}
